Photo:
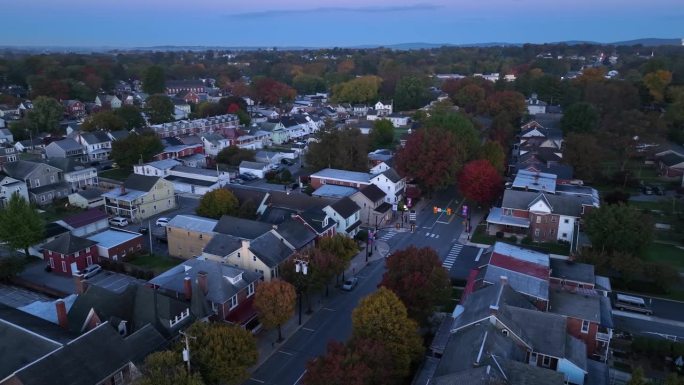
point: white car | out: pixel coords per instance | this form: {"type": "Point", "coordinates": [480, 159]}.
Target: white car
{"type": "Point", "coordinates": [118, 221]}
{"type": "Point", "coordinates": [89, 271]}
{"type": "Point", "coordinates": [350, 284]}
{"type": "Point", "coordinates": [162, 221]}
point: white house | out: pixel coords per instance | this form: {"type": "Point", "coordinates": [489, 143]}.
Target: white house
{"type": "Point", "coordinates": [98, 145]}
{"type": "Point", "coordinates": [214, 143]}
{"type": "Point", "coordinates": [535, 106]}
{"type": "Point", "coordinates": [5, 134]}
{"type": "Point", "coordinates": [391, 184]}
{"type": "Point", "coordinates": [347, 214]}
{"type": "Point", "coordinates": [110, 101]}
{"type": "Point", "coordinates": [257, 168]}
{"type": "Point", "coordinates": [160, 168]}
{"type": "Point", "coordinates": [9, 186]}
{"type": "Point", "coordinates": [384, 108]}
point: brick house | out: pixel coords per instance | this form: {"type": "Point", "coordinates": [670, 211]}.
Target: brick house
{"type": "Point", "coordinates": [118, 245]}
{"type": "Point", "coordinates": [74, 108]}
{"type": "Point", "coordinates": [69, 253]}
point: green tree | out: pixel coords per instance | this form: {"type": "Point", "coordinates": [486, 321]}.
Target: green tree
{"type": "Point", "coordinates": [9, 267]}
{"type": "Point", "coordinates": [244, 117]}
{"type": "Point", "coordinates": [619, 228]}
{"type": "Point", "coordinates": [107, 120]}
{"type": "Point", "coordinates": [382, 135]}
{"type": "Point", "coordinates": [674, 379]}
{"type": "Point", "coordinates": [411, 93]}
{"type": "Point", "coordinates": [462, 128]}
{"type": "Point", "coordinates": [45, 115]}
{"type": "Point", "coordinates": [20, 225]}
{"type": "Point", "coordinates": [274, 302]}
{"type": "Point", "coordinates": [382, 317]}
{"type": "Point", "coordinates": [345, 149]}
{"type": "Point", "coordinates": [132, 149]}
{"type": "Point", "coordinates": [637, 377]}
{"type": "Point", "coordinates": [418, 278]}
{"type": "Point", "coordinates": [580, 117]}
{"type": "Point", "coordinates": [657, 82]}
{"type": "Point", "coordinates": [343, 248]}
{"type": "Point", "coordinates": [359, 90]}
{"type": "Point", "coordinates": [20, 129]}
{"type": "Point", "coordinates": [166, 367]}
{"type": "Point", "coordinates": [583, 153]}
{"type": "Point", "coordinates": [308, 84]}
{"type": "Point", "coordinates": [132, 116]}
{"type": "Point", "coordinates": [494, 153]}
{"type": "Point", "coordinates": [234, 155]}
{"type": "Point", "coordinates": [159, 109]}
{"type": "Point", "coordinates": [223, 353]}
{"type": "Point", "coordinates": [217, 203]}
{"type": "Point", "coordinates": [154, 80]}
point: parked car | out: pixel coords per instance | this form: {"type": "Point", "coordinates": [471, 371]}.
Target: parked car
{"type": "Point", "coordinates": [286, 162]}
{"type": "Point", "coordinates": [647, 190]}
{"type": "Point", "coordinates": [118, 221]}
{"type": "Point", "coordinates": [89, 271]}
{"type": "Point", "coordinates": [143, 230]}
{"type": "Point", "coordinates": [162, 221]}
{"type": "Point", "coordinates": [657, 190]}
{"type": "Point", "coordinates": [350, 284]}
{"type": "Point", "coordinates": [251, 176]}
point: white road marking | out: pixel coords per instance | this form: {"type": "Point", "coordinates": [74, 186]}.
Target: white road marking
{"type": "Point", "coordinates": [289, 354]}
{"type": "Point", "coordinates": [308, 329]}
{"type": "Point", "coordinates": [300, 377]}
{"type": "Point", "coordinates": [259, 381]}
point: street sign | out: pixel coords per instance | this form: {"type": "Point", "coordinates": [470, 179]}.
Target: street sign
{"type": "Point", "coordinates": [412, 216]}
{"type": "Point", "coordinates": [409, 202]}
{"type": "Point", "coordinates": [394, 207]}
{"type": "Point", "coordinates": [464, 211]}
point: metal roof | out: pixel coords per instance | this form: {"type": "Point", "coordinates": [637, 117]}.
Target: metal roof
{"type": "Point", "coordinates": [521, 253]}
{"type": "Point", "coordinates": [343, 175]}
{"type": "Point", "coordinates": [193, 223]}
{"type": "Point", "coordinates": [111, 238]}
{"type": "Point", "coordinates": [537, 181]}
{"type": "Point", "coordinates": [334, 191]}
{"type": "Point", "coordinates": [497, 216]}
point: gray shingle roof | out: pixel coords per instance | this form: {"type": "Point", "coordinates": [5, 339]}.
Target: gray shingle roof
{"type": "Point", "coordinates": [545, 332]}
{"type": "Point", "coordinates": [295, 233]}
{"type": "Point", "coordinates": [573, 271]}
{"type": "Point", "coordinates": [20, 347]}
{"type": "Point", "coordinates": [140, 182]}
{"type": "Point", "coordinates": [561, 204]}
{"type": "Point", "coordinates": [270, 250]}
{"type": "Point", "coordinates": [20, 169]}
{"type": "Point", "coordinates": [68, 144]}
{"type": "Point", "coordinates": [392, 175]}
{"type": "Point", "coordinates": [584, 307]}
{"type": "Point", "coordinates": [241, 228]}
{"type": "Point", "coordinates": [68, 244]}
{"type": "Point", "coordinates": [345, 207]}
{"type": "Point", "coordinates": [372, 192]}
{"type": "Point", "coordinates": [96, 137]}
{"type": "Point", "coordinates": [222, 245]}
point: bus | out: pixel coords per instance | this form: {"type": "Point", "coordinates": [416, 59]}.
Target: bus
{"type": "Point", "coordinates": [631, 303]}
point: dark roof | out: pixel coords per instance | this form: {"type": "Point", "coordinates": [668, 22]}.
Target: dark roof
{"type": "Point", "coordinates": [671, 159]}
{"type": "Point", "coordinates": [244, 195]}
{"type": "Point", "coordinates": [270, 250]}
{"type": "Point", "coordinates": [140, 182]}
{"type": "Point", "coordinates": [478, 305]}
{"type": "Point", "coordinates": [545, 332]}
{"type": "Point", "coordinates": [53, 229]}
{"type": "Point", "coordinates": [90, 194]}
{"type": "Point", "coordinates": [222, 245]}
{"type": "Point", "coordinates": [85, 218]}
{"type": "Point", "coordinates": [276, 215]}
{"type": "Point", "coordinates": [345, 207]}
{"type": "Point", "coordinates": [295, 233]}
{"type": "Point", "coordinates": [68, 144]}
{"type": "Point", "coordinates": [67, 164]}
{"type": "Point", "coordinates": [392, 175]}
{"type": "Point", "coordinates": [314, 217]}
{"type": "Point", "coordinates": [96, 137]}
{"type": "Point", "coordinates": [20, 169]}
{"type": "Point", "coordinates": [68, 244]}
{"type": "Point", "coordinates": [35, 324]}
{"type": "Point", "coordinates": [61, 186]}
{"type": "Point", "coordinates": [119, 135]}
{"type": "Point", "coordinates": [575, 305]}
{"type": "Point", "coordinates": [296, 202]}
{"type": "Point", "coordinates": [103, 349]}
{"type": "Point", "coordinates": [372, 192]}
{"type": "Point", "coordinates": [569, 205]}
{"type": "Point", "coordinates": [241, 228]}
{"type": "Point", "coordinates": [573, 271]}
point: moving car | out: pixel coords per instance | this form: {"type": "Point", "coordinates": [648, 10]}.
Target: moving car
{"type": "Point", "coordinates": [162, 221]}
{"type": "Point", "coordinates": [350, 284]}
{"type": "Point", "coordinates": [631, 303]}
{"type": "Point", "coordinates": [118, 221]}
{"type": "Point", "coordinates": [89, 271]}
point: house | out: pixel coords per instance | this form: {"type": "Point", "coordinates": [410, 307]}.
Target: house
{"type": "Point", "coordinates": [88, 198]}
{"type": "Point", "coordinates": [6, 136]}
{"type": "Point", "coordinates": [374, 210]}
{"type": "Point", "coordinates": [333, 191]}
{"type": "Point", "coordinates": [108, 101]}
{"type": "Point", "coordinates": [65, 148]}
{"type": "Point", "coordinates": [160, 168]}
{"type": "Point", "coordinates": [174, 87]}
{"type": "Point", "coordinates": [10, 186]}
{"type": "Point", "coordinates": [359, 110]}
{"type": "Point", "coordinates": [69, 253]}
{"type": "Point", "coordinates": [340, 178]}
{"type": "Point", "coordinates": [187, 235]}
{"type": "Point", "coordinates": [257, 168]}
{"type": "Point", "coordinates": [214, 143]}
{"type": "Point", "coordinates": [535, 106]}
{"type": "Point", "coordinates": [398, 120]}
{"type": "Point", "coordinates": [75, 174]}
{"type": "Point", "coordinates": [347, 215]}
{"type": "Point", "coordinates": [384, 108]}
{"type": "Point", "coordinates": [220, 123]}
{"type": "Point", "coordinates": [86, 222]}
{"type": "Point", "coordinates": [118, 135]}
{"type": "Point", "coordinates": [670, 160]}
{"type": "Point", "coordinates": [188, 97]}
{"type": "Point", "coordinates": [391, 184]}
{"type": "Point", "coordinates": [277, 132]}
{"type": "Point", "coordinates": [97, 144]}
{"type": "Point", "coordinates": [7, 154]}
{"type": "Point", "coordinates": [140, 197]}
{"type": "Point", "coordinates": [118, 245]}
{"type": "Point", "coordinates": [74, 108]}
{"type": "Point", "coordinates": [198, 181]}
{"type": "Point", "coordinates": [229, 290]}
{"type": "Point", "coordinates": [29, 144]}
{"type": "Point", "coordinates": [43, 181]}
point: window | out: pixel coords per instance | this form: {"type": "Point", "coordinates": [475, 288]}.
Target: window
{"type": "Point", "coordinates": [52, 263]}
{"type": "Point", "coordinates": [565, 235]}
{"type": "Point", "coordinates": [546, 361]}
{"type": "Point", "coordinates": [254, 258]}
{"type": "Point", "coordinates": [585, 326]}
{"type": "Point", "coordinates": [200, 236]}
{"type": "Point", "coordinates": [538, 219]}
{"type": "Point", "coordinates": [508, 212]}
{"type": "Point", "coordinates": [37, 184]}
{"type": "Point", "coordinates": [250, 289]}
{"type": "Point", "coordinates": [504, 332]}
{"type": "Point", "coordinates": [64, 266]}
{"type": "Point", "coordinates": [233, 302]}
{"type": "Point", "coordinates": [238, 254]}
{"type": "Point", "coordinates": [536, 232]}
{"type": "Point", "coordinates": [566, 221]}
{"type": "Point", "coordinates": [89, 260]}
{"type": "Point", "coordinates": [553, 219]}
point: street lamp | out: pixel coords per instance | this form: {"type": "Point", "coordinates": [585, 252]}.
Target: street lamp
{"type": "Point", "coordinates": [301, 267]}
{"type": "Point", "coordinates": [369, 244]}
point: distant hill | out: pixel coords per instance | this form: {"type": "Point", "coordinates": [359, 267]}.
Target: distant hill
{"type": "Point", "coordinates": [650, 42]}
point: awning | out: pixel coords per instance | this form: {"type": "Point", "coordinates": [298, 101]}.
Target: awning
{"type": "Point", "coordinates": [496, 216]}
{"type": "Point", "coordinates": [383, 208]}
{"type": "Point", "coordinates": [352, 227]}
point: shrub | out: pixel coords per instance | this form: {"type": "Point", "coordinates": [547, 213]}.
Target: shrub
{"type": "Point", "coordinates": [362, 236]}
{"type": "Point", "coordinates": [513, 239]}
{"type": "Point", "coordinates": [500, 234]}
{"type": "Point", "coordinates": [526, 241]}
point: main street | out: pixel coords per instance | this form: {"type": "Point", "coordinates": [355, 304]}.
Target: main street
{"type": "Point", "coordinates": [333, 322]}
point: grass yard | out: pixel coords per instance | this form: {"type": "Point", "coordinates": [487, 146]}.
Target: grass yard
{"type": "Point", "coordinates": [156, 263]}
{"type": "Point", "coordinates": [115, 173]}
{"type": "Point", "coordinates": [481, 236]}
{"type": "Point", "coordinates": [669, 254]}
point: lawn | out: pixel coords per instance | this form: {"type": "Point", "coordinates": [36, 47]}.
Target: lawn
{"type": "Point", "coordinates": [481, 236]}
{"type": "Point", "coordinates": [156, 263]}
{"type": "Point", "coordinates": [115, 173]}
{"type": "Point", "coordinates": [669, 254]}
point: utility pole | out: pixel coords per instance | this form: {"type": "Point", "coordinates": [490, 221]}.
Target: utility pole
{"type": "Point", "coordinates": [149, 232]}
{"type": "Point", "coordinates": [186, 351]}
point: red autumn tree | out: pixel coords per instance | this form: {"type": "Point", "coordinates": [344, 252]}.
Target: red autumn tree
{"type": "Point", "coordinates": [418, 278]}
{"type": "Point", "coordinates": [480, 182]}
{"type": "Point", "coordinates": [511, 103]}
{"type": "Point", "coordinates": [271, 91]}
{"type": "Point", "coordinates": [433, 156]}
{"type": "Point", "coordinates": [337, 367]}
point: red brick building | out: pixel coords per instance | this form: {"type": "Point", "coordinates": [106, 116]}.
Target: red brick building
{"type": "Point", "coordinates": [118, 245]}
{"type": "Point", "coordinates": [69, 253]}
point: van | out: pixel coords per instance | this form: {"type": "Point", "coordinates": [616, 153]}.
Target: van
{"type": "Point", "coordinates": [627, 302]}
{"type": "Point", "coordinates": [118, 221]}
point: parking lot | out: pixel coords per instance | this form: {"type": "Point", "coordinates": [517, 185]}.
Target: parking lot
{"type": "Point", "coordinates": [17, 297]}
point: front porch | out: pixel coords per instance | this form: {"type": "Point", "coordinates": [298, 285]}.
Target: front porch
{"type": "Point", "coordinates": [498, 222]}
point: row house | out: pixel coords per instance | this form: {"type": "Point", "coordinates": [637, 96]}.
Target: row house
{"type": "Point", "coordinates": [221, 124]}
{"type": "Point", "coordinates": [174, 87]}
{"type": "Point", "coordinates": [97, 145]}
{"type": "Point", "coordinates": [44, 182]}
{"type": "Point", "coordinates": [178, 151]}
{"type": "Point", "coordinates": [7, 154]}
{"type": "Point", "coordinates": [140, 197]}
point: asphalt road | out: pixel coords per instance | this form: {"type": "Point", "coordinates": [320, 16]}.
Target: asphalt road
{"type": "Point", "coordinates": [333, 322]}
{"type": "Point", "coordinates": [637, 324]}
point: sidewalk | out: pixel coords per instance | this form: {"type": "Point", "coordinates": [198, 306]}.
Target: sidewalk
{"type": "Point", "coordinates": [476, 217]}
{"type": "Point", "coordinates": [266, 340]}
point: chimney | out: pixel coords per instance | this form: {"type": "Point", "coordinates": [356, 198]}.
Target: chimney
{"type": "Point", "coordinates": [202, 281]}
{"type": "Point", "coordinates": [187, 286]}
{"type": "Point", "coordinates": [123, 189]}
{"type": "Point", "coordinates": [81, 285]}
{"type": "Point", "coordinates": [61, 314]}
{"type": "Point", "coordinates": [504, 280]}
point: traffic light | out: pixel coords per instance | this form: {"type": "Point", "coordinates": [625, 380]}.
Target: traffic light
{"type": "Point", "coordinates": [434, 209]}
{"type": "Point", "coordinates": [448, 210]}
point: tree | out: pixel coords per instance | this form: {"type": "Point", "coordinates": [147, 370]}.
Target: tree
{"type": "Point", "coordinates": [217, 203]}
{"type": "Point", "coordinates": [132, 116]}
{"type": "Point", "coordinates": [657, 82]}
{"type": "Point", "coordinates": [411, 93]}
{"type": "Point", "coordinates": [509, 102]}
{"type": "Point", "coordinates": [159, 109]}
{"type": "Point", "coordinates": [458, 124]}
{"type": "Point", "coordinates": [494, 153]}
{"type": "Point", "coordinates": [9, 267]}
{"type": "Point", "coordinates": [381, 318]}
{"type": "Point", "coordinates": [382, 135]}
{"type": "Point", "coordinates": [20, 224]}
{"type": "Point", "coordinates": [345, 149]}
{"type": "Point", "coordinates": [363, 89]}
{"type": "Point", "coordinates": [223, 353]}
{"type": "Point", "coordinates": [274, 301]}
{"type": "Point", "coordinates": [470, 97]}
{"type": "Point", "coordinates": [134, 148]}
{"type": "Point", "coordinates": [480, 182]}
{"type": "Point", "coordinates": [581, 118]}
{"type": "Point", "coordinates": [308, 84]}
{"type": "Point", "coordinates": [234, 155]}
{"type": "Point", "coordinates": [104, 120]}
{"type": "Point", "coordinates": [343, 248]}
{"type": "Point", "coordinates": [273, 92]}
{"type": "Point", "coordinates": [166, 367]}
{"type": "Point", "coordinates": [247, 210]}
{"type": "Point", "coordinates": [637, 377]}
{"type": "Point", "coordinates": [154, 80]}
{"type": "Point", "coordinates": [619, 228]}
{"type": "Point", "coordinates": [674, 379]}
{"type": "Point", "coordinates": [583, 153]}
{"type": "Point", "coordinates": [418, 278]}
{"type": "Point", "coordinates": [45, 115]}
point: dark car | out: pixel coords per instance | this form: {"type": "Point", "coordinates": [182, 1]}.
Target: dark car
{"type": "Point", "coordinates": [143, 230]}
{"type": "Point", "coordinates": [657, 190]}
{"type": "Point", "coordinates": [286, 161]}
{"type": "Point", "coordinates": [294, 186]}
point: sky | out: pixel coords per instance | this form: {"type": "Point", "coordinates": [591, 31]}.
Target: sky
{"type": "Point", "coordinates": [328, 23]}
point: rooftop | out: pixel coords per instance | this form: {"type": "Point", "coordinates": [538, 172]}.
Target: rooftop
{"type": "Point", "coordinates": [111, 238]}
{"type": "Point", "coordinates": [343, 175]}
{"type": "Point", "coordinates": [572, 271]}
{"type": "Point", "coordinates": [68, 244]}
{"type": "Point", "coordinates": [193, 223]}
{"type": "Point", "coordinates": [521, 253]}
{"type": "Point", "coordinates": [241, 228]}
{"type": "Point", "coordinates": [85, 218]}
{"type": "Point", "coordinates": [536, 181]}
{"type": "Point", "coordinates": [334, 191]}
